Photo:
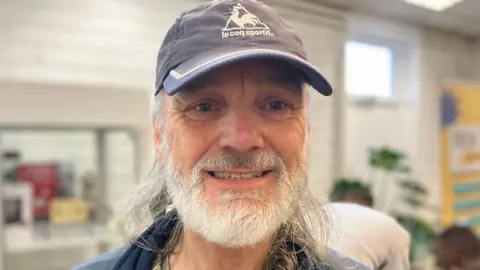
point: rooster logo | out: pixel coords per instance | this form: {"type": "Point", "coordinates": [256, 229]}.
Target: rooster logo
{"type": "Point", "coordinates": [242, 19]}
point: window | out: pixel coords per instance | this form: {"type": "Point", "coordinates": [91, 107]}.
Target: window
{"type": "Point", "coordinates": [368, 70]}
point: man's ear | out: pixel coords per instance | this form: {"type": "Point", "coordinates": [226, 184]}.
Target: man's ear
{"type": "Point", "coordinates": [157, 140]}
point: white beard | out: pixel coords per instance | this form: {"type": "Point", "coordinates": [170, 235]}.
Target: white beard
{"type": "Point", "coordinates": [238, 219]}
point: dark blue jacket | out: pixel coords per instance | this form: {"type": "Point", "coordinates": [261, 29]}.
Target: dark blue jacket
{"type": "Point", "coordinates": [134, 257]}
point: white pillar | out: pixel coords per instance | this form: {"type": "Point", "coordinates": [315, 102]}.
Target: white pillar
{"type": "Point", "coordinates": [339, 117]}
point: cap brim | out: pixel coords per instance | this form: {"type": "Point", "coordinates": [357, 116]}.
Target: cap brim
{"type": "Point", "coordinates": [202, 64]}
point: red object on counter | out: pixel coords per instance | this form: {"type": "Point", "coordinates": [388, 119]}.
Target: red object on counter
{"type": "Point", "coordinates": [44, 179]}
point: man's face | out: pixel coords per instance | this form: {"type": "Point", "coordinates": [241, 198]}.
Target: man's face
{"type": "Point", "coordinates": [234, 145]}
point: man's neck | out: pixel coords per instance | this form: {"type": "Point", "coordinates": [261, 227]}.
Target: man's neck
{"type": "Point", "coordinates": [195, 253]}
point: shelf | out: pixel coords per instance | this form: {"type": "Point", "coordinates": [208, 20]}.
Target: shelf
{"type": "Point", "coordinates": [20, 239]}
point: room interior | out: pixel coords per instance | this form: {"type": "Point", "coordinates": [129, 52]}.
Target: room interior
{"type": "Point", "coordinates": [77, 77]}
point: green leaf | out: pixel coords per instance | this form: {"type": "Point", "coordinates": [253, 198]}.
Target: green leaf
{"type": "Point", "coordinates": [413, 202]}
{"type": "Point", "coordinates": [411, 186]}
{"type": "Point", "coordinates": [387, 159]}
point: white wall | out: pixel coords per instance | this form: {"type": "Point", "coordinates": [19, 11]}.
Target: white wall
{"type": "Point", "coordinates": [72, 106]}
{"type": "Point", "coordinates": [410, 124]}
{"type": "Point", "coordinates": [112, 43]}
{"type": "Point", "coordinates": [391, 121]}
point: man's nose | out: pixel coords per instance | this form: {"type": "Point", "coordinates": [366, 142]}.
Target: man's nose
{"type": "Point", "coordinates": [241, 131]}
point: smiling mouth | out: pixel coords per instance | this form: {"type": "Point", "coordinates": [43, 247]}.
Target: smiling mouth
{"type": "Point", "coordinates": [238, 176]}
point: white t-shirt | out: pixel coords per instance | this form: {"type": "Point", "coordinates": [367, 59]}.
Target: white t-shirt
{"type": "Point", "coordinates": [369, 236]}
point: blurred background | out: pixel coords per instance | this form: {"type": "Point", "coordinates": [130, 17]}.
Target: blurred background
{"type": "Point", "coordinates": [76, 79]}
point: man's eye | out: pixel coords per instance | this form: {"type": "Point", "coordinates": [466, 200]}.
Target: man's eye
{"type": "Point", "coordinates": [204, 111]}
{"type": "Point", "coordinates": [276, 105]}
{"type": "Point", "coordinates": [204, 107]}
{"type": "Point", "coordinates": [276, 110]}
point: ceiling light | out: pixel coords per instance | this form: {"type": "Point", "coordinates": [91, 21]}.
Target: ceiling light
{"type": "Point", "coordinates": [435, 5]}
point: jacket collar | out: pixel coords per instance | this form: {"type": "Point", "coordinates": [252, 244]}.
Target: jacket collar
{"type": "Point", "coordinates": [142, 253]}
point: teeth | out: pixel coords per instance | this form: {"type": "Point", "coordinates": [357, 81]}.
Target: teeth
{"type": "Point", "coordinates": [236, 176]}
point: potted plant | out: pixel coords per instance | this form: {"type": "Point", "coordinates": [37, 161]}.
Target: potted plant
{"type": "Point", "coordinates": [392, 169]}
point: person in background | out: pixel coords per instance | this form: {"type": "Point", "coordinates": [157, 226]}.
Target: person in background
{"type": "Point", "coordinates": [231, 131]}
{"type": "Point", "coordinates": [369, 236]}
{"type": "Point", "coordinates": [358, 196]}
{"type": "Point", "coordinates": [458, 248]}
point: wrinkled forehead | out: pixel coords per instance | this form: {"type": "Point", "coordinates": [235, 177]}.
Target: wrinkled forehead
{"type": "Point", "coordinates": [266, 71]}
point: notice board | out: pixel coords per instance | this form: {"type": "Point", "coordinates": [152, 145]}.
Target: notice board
{"type": "Point", "coordinates": [460, 154]}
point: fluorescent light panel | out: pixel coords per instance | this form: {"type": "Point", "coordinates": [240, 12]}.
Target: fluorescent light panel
{"type": "Point", "coordinates": [435, 5]}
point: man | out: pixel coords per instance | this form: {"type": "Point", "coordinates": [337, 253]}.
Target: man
{"type": "Point", "coordinates": [369, 236]}
{"type": "Point", "coordinates": [458, 248]}
{"type": "Point", "coordinates": [231, 137]}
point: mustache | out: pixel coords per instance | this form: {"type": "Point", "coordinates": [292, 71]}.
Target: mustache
{"type": "Point", "coordinates": [228, 160]}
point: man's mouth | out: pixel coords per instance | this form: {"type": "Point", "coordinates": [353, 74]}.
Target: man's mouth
{"type": "Point", "coordinates": [237, 176]}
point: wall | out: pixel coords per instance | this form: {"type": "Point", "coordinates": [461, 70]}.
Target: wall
{"type": "Point", "coordinates": [409, 123]}
{"type": "Point", "coordinates": [390, 121]}
{"type": "Point", "coordinates": [476, 58]}
{"type": "Point", "coordinates": [112, 43]}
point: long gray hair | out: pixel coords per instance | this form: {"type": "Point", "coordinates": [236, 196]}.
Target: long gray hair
{"type": "Point", "coordinates": [307, 227]}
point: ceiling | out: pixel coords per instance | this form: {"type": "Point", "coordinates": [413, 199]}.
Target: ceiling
{"type": "Point", "coordinates": [463, 18]}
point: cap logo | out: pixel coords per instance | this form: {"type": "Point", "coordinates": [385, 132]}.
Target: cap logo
{"type": "Point", "coordinates": [243, 23]}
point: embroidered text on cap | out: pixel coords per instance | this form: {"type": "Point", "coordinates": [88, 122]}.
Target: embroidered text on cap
{"type": "Point", "coordinates": [243, 23]}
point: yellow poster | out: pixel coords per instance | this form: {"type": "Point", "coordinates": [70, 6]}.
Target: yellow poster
{"type": "Point", "coordinates": [460, 149]}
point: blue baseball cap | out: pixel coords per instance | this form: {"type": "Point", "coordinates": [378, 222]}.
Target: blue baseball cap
{"type": "Point", "coordinates": [223, 32]}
